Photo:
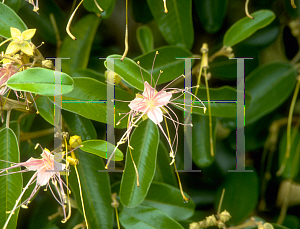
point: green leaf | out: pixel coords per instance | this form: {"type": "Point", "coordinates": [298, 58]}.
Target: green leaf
{"type": "Point", "coordinates": [79, 50]}
{"type": "Point", "coordinates": [11, 184]}
{"type": "Point", "coordinates": [46, 109]}
{"type": "Point", "coordinates": [278, 226]}
{"type": "Point", "coordinates": [246, 27]}
{"type": "Point", "coordinates": [95, 185]}
{"type": "Point", "coordinates": [13, 4]}
{"type": "Point", "coordinates": [8, 18]}
{"type": "Point", "coordinates": [144, 140]}
{"type": "Point", "coordinates": [164, 172]}
{"type": "Point", "coordinates": [107, 7]}
{"type": "Point", "coordinates": [84, 100]}
{"type": "Point", "coordinates": [169, 200]}
{"type": "Point", "coordinates": [91, 6]}
{"type": "Point", "coordinates": [201, 140]}
{"type": "Point", "coordinates": [269, 86]}
{"type": "Point", "coordinates": [144, 37]}
{"type": "Point", "coordinates": [89, 73]}
{"type": "Point", "coordinates": [95, 190]}
{"type": "Point", "coordinates": [15, 126]}
{"type": "Point", "coordinates": [223, 101]}
{"type": "Point", "coordinates": [291, 169]}
{"type": "Point", "coordinates": [176, 26]}
{"type": "Point", "coordinates": [147, 218]}
{"type": "Point", "coordinates": [76, 122]}
{"type": "Point", "coordinates": [99, 148]}
{"type": "Point", "coordinates": [129, 71]}
{"type": "Point", "coordinates": [211, 14]}
{"type": "Point", "coordinates": [165, 61]}
{"type": "Point", "coordinates": [40, 81]}
{"type": "Point", "coordinates": [241, 195]}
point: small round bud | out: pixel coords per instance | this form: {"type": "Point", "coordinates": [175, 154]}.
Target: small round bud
{"type": "Point", "coordinates": [194, 225]}
{"type": "Point", "coordinates": [112, 77]}
{"type": "Point", "coordinates": [220, 224]}
{"type": "Point", "coordinates": [202, 224]}
{"type": "Point", "coordinates": [75, 141]}
{"type": "Point", "coordinates": [47, 64]}
{"type": "Point", "coordinates": [225, 216]}
{"type": "Point", "coordinates": [211, 220]}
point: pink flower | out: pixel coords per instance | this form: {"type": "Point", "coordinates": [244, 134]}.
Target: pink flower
{"type": "Point", "coordinates": [47, 168]}
{"type": "Point", "coordinates": [155, 105]}
{"type": "Point", "coordinates": [5, 73]}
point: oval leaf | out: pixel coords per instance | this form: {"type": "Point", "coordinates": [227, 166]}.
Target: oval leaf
{"type": "Point", "coordinates": [99, 148]}
{"type": "Point", "coordinates": [40, 81]}
{"type": "Point", "coordinates": [79, 50]}
{"type": "Point", "coordinates": [246, 27]}
{"type": "Point", "coordinates": [201, 140]}
{"type": "Point", "coordinates": [147, 218]}
{"type": "Point", "coordinates": [144, 37]}
{"type": "Point", "coordinates": [169, 200]}
{"type": "Point", "coordinates": [211, 13]}
{"type": "Point", "coordinates": [241, 195]}
{"type": "Point", "coordinates": [11, 185]}
{"type": "Point", "coordinates": [8, 18]}
{"type": "Point", "coordinates": [144, 140]}
{"type": "Point", "coordinates": [176, 26]}
{"type": "Point", "coordinates": [269, 86]}
{"type": "Point", "coordinates": [46, 109]}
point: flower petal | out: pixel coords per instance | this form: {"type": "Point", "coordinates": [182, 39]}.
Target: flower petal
{"type": "Point", "coordinates": [149, 91]}
{"type": "Point", "coordinates": [44, 176]}
{"type": "Point", "coordinates": [162, 98]}
{"type": "Point", "coordinates": [12, 48]}
{"type": "Point", "coordinates": [26, 48]}
{"type": "Point", "coordinates": [138, 104]}
{"type": "Point", "coordinates": [33, 164]}
{"type": "Point", "coordinates": [155, 115]}
{"type": "Point", "coordinates": [28, 34]}
{"type": "Point", "coordinates": [14, 32]}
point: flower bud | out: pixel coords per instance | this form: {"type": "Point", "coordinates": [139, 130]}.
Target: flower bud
{"type": "Point", "coordinates": [220, 224]}
{"type": "Point", "coordinates": [202, 224]}
{"type": "Point", "coordinates": [75, 141]}
{"type": "Point", "coordinates": [112, 77]}
{"type": "Point", "coordinates": [225, 216]}
{"type": "Point", "coordinates": [211, 220]}
{"type": "Point", "coordinates": [47, 64]}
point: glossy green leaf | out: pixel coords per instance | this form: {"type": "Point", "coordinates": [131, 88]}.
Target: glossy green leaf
{"type": "Point", "coordinates": [165, 61]}
{"type": "Point", "coordinates": [291, 169]}
{"type": "Point", "coordinates": [269, 86]}
{"type": "Point", "coordinates": [76, 122]}
{"type": "Point", "coordinates": [11, 184]}
{"type": "Point", "coordinates": [84, 100]}
{"type": "Point", "coordinates": [223, 101]}
{"type": "Point", "coordinates": [95, 185]}
{"type": "Point", "coordinates": [46, 109]}
{"type": "Point", "coordinates": [13, 4]}
{"type": "Point", "coordinates": [129, 71]}
{"type": "Point", "coordinates": [169, 200]}
{"type": "Point", "coordinates": [211, 13]}
{"type": "Point", "coordinates": [40, 81]}
{"type": "Point", "coordinates": [144, 140]}
{"type": "Point", "coordinates": [176, 26]}
{"type": "Point", "coordinates": [201, 140]}
{"type": "Point", "coordinates": [147, 218]}
{"type": "Point", "coordinates": [246, 27]}
{"type": "Point", "coordinates": [141, 12]}
{"type": "Point", "coordinates": [91, 6]}
{"type": "Point", "coordinates": [108, 9]}
{"type": "Point", "coordinates": [164, 172]}
{"type": "Point", "coordinates": [8, 18]}
{"type": "Point", "coordinates": [95, 190]}
{"type": "Point", "coordinates": [241, 195]}
{"type": "Point", "coordinates": [79, 50]}
{"type": "Point", "coordinates": [99, 148]}
{"type": "Point", "coordinates": [15, 126]}
{"type": "Point", "coordinates": [89, 73]}
{"type": "Point", "coordinates": [144, 37]}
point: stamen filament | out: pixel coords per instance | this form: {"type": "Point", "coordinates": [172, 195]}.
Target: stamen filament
{"type": "Point", "coordinates": [126, 34]}
{"type": "Point", "coordinates": [70, 20]}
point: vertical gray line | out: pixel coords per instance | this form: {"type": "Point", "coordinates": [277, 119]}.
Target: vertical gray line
{"type": "Point", "coordinates": [240, 117]}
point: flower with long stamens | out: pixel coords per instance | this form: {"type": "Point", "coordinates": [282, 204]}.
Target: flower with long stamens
{"type": "Point", "coordinates": [155, 104]}
{"type": "Point", "coordinates": [47, 169]}
{"type": "Point", "coordinates": [6, 71]}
